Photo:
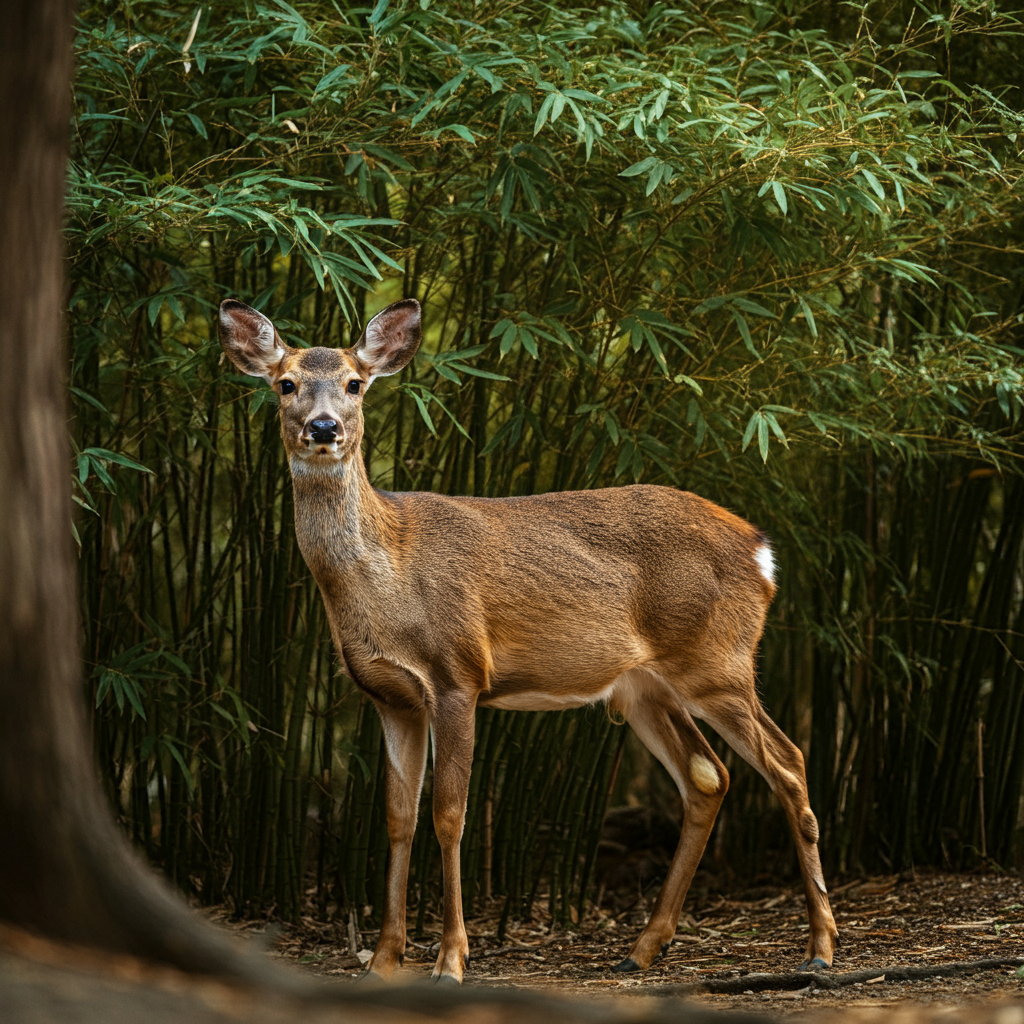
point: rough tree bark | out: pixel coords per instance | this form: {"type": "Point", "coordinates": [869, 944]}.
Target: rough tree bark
{"type": "Point", "coordinates": [66, 871]}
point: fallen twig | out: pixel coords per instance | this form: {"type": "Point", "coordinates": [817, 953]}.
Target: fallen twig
{"type": "Point", "coordinates": [823, 980]}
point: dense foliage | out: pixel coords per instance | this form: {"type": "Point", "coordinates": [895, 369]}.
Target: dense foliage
{"type": "Point", "coordinates": [768, 252]}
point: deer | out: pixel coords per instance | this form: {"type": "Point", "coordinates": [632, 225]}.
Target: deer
{"type": "Point", "coordinates": [647, 598]}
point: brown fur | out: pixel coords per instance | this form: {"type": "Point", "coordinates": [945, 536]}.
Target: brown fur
{"type": "Point", "coordinates": [646, 597]}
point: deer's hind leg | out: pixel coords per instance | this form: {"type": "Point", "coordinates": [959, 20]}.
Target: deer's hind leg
{"type": "Point", "coordinates": [669, 733]}
{"type": "Point", "coordinates": [748, 729]}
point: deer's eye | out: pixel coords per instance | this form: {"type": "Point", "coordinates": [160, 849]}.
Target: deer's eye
{"type": "Point", "coordinates": [287, 387]}
{"type": "Point", "coordinates": [354, 386]}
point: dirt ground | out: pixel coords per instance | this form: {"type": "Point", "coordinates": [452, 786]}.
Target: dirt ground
{"type": "Point", "coordinates": [925, 920]}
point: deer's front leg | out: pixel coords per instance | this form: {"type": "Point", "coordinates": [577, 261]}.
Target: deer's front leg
{"type": "Point", "coordinates": [453, 723]}
{"type": "Point", "coordinates": [405, 740]}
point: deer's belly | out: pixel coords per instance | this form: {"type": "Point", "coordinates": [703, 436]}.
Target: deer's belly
{"type": "Point", "coordinates": [560, 674]}
{"type": "Point", "coordinates": [517, 695]}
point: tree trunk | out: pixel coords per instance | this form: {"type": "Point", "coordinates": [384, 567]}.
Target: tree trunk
{"type": "Point", "coordinates": [66, 871]}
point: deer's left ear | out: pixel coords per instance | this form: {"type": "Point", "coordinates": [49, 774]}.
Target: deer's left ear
{"type": "Point", "coordinates": [391, 339]}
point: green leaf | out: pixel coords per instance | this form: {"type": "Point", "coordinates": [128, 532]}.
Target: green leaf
{"type": "Point", "coordinates": [774, 424]}
{"type": "Point", "coordinates": [641, 167]}
{"type": "Point", "coordinates": [749, 306]}
{"type": "Point", "coordinates": [818, 422]}
{"type": "Point", "coordinates": [527, 340]}
{"type": "Point", "coordinates": [197, 124]}
{"type": "Point", "coordinates": [611, 426]}
{"type": "Point", "coordinates": [490, 78]}
{"type": "Point", "coordinates": [131, 691]}
{"type": "Point", "coordinates": [780, 196]}
{"type": "Point", "coordinates": [876, 185]}
{"type": "Point", "coordinates": [542, 114]}
{"type": "Point", "coordinates": [625, 459]}
{"type": "Point", "coordinates": [424, 411]}
{"type": "Point", "coordinates": [716, 302]}
{"type": "Point", "coordinates": [460, 129]}
{"type": "Point", "coordinates": [744, 328]}
{"type": "Point", "coordinates": [508, 337]}
{"type": "Point", "coordinates": [681, 378]}
{"type": "Point", "coordinates": [752, 425]}
{"type": "Point", "coordinates": [475, 371]}
{"type": "Point", "coordinates": [808, 316]}
{"type": "Point", "coordinates": [169, 745]}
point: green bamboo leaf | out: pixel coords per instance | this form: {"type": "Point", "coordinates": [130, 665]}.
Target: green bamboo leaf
{"type": "Point", "coordinates": [876, 185]}
{"type": "Point", "coordinates": [446, 371]}
{"type": "Point", "coordinates": [625, 460]}
{"type": "Point", "coordinates": [775, 428]}
{"type": "Point", "coordinates": [496, 83]}
{"type": "Point", "coordinates": [655, 177]}
{"type": "Point", "coordinates": [168, 744]}
{"type": "Point", "coordinates": [641, 167]}
{"type": "Point", "coordinates": [423, 411]}
{"type": "Point", "coordinates": [744, 329]}
{"type": "Point", "coordinates": [611, 427]}
{"type": "Point", "coordinates": [818, 422]}
{"type": "Point", "coordinates": [131, 691]}
{"type": "Point", "coordinates": [197, 124]}
{"type": "Point", "coordinates": [460, 129]}
{"type": "Point", "coordinates": [508, 337]}
{"type": "Point", "coordinates": [681, 378]}
{"type": "Point", "coordinates": [475, 371]}
{"type": "Point", "coordinates": [749, 306]}
{"type": "Point", "coordinates": [716, 302]}
{"type": "Point", "coordinates": [451, 416]}
{"type": "Point", "coordinates": [700, 430]}
{"type": "Point", "coordinates": [863, 199]}
{"type": "Point", "coordinates": [103, 688]}
{"type": "Point", "coordinates": [542, 114]}
{"type": "Point", "coordinates": [752, 426]}
{"type": "Point", "coordinates": [527, 340]}
{"type": "Point", "coordinates": [780, 196]}
{"type": "Point", "coordinates": [97, 467]}
{"type": "Point", "coordinates": [808, 316]}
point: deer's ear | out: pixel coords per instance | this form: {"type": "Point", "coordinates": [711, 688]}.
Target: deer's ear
{"type": "Point", "coordinates": [250, 339]}
{"type": "Point", "coordinates": [390, 339]}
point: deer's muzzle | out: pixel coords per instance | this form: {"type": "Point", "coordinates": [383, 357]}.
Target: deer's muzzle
{"type": "Point", "coordinates": [323, 431]}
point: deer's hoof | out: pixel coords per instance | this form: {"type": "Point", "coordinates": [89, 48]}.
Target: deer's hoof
{"type": "Point", "coordinates": [447, 980]}
{"type": "Point", "coordinates": [627, 966]}
{"type": "Point", "coordinates": [817, 964]}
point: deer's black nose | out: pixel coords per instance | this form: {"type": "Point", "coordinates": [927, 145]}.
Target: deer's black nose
{"type": "Point", "coordinates": [323, 431]}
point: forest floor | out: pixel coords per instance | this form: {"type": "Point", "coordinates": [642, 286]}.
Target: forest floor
{"type": "Point", "coordinates": [749, 939]}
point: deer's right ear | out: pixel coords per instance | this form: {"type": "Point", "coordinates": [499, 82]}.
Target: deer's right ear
{"type": "Point", "coordinates": [249, 339]}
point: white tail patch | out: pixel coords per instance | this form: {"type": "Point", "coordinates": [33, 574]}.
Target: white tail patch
{"type": "Point", "coordinates": [704, 774]}
{"type": "Point", "coordinates": [765, 562]}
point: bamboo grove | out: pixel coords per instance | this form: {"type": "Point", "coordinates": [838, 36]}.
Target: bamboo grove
{"type": "Point", "coordinates": [767, 252]}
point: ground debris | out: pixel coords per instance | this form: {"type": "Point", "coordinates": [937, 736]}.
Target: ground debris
{"type": "Point", "coordinates": [897, 943]}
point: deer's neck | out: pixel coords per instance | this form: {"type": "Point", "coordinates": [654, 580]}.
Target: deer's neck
{"type": "Point", "coordinates": [340, 520]}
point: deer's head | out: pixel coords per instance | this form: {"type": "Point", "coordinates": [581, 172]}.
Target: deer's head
{"type": "Point", "coordinates": [321, 389]}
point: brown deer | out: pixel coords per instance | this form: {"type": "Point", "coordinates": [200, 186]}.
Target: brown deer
{"type": "Point", "coordinates": [647, 598]}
